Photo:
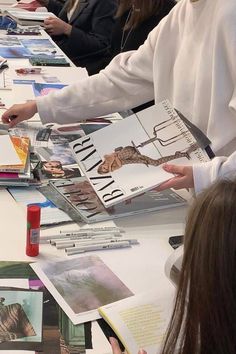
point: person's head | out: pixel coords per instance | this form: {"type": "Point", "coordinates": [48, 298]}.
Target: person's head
{"type": "Point", "coordinates": [142, 10]}
{"type": "Point", "coordinates": [204, 318]}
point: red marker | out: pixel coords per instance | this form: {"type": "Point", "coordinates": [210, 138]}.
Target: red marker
{"type": "Point", "coordinates": [33, 230]}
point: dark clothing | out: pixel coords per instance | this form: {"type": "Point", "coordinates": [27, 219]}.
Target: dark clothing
{"type": "Point", "coordinates": [132, 38]}
{"type": "Point", "coordinates": [90, 37]}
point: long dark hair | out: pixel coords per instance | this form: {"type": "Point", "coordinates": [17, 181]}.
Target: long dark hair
{"type": "Point", "coordinates": [143, 9]}
{"type": "Point", "coordinates": [204, 317]}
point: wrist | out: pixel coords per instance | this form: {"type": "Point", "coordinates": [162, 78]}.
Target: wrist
{"type": "Point", "coordinates": [67, 29]}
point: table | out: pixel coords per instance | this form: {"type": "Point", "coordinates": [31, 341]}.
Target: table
{"type": "Point", "coordinates": [140, 267]}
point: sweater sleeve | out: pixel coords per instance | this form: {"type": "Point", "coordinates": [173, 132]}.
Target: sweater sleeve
{"type": "Point", "coordinates": [125, 83]}
{"type": "Point", "coordinates": [207, 173]}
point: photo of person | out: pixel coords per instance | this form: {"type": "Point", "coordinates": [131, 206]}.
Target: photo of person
{"type": "Point", "coordinates": [54, 169]}
{"type": "Point", "coordinates": [130, 155]}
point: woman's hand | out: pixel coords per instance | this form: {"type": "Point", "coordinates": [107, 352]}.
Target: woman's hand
{"type": "Point", "coordinates": [116, 348]}
{"type": "Point", "coordinates": [19, 112]}
{"type": "Point", "coordinates": [183, 178]}
{"type": "Point", "coordinates": [55, 26]}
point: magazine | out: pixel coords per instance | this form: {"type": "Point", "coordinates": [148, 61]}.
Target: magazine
{"type": "Point", "coordinates": [14, 154]}
{"type": "Point", "coordinates": [141, 321]}
{"type": "Point", "coordinates": [125, 159]}
{"type": "Point", "coordinates": [81, 196]}
{"type": "Point", "coordinates": [81, 285]}
{"type": "Point", "coordinates": [28, 18]}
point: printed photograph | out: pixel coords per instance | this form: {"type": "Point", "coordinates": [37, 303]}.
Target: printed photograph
{"type": "Point", "coordinates": [54, 169]}
{"type": "Point", "coordinates": [14, 52]}
{"type": "Point", "coordinates": [83, 284]}
{"type": "Point", "coordinates": [39, 46]}
{"type": "Point", "coordinates": [57, 152]}
{"type": "Point", "coordinates": [20, 317]}
{"type": "Point", "coordinates": [41, 89]}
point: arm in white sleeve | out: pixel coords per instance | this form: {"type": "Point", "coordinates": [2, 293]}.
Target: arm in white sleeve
{"type": "Point", "coordinates": [220, 167]}
{"type": "Point", "coordinates": [125, 83]}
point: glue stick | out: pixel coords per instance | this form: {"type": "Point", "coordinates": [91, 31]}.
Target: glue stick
{"type": "Point", "coordinates": [33, 230]}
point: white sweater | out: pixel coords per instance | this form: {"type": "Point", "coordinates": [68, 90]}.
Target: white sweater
{"type": "Point", "coordinates": [188, 58]}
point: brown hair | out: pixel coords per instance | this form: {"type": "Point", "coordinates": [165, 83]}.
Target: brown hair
{"type": "Point", "coordinates": [142, 9]}
{"type": "Point", "coordinates": [204, 316]}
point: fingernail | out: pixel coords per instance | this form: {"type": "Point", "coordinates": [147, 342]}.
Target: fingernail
{"type": "Point", "coordinates": [141, 351]}
{"type": "Point", "coordinates": [112, 340]}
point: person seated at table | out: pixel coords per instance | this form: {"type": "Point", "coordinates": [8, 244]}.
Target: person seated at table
{"type": "Point", "coordinates": [82, 29]}
{"type": "Point", "coordinates": [204, 315]}
{"type": "Point", "coordinates": [133, 22]}
{"type": "Point", "coordinates": [183, 59]}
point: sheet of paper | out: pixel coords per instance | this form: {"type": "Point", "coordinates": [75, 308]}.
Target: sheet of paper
{"type": "Point", "coordinates": [8, 155]}
{"type": "Point", "coordinates": [15, 283]}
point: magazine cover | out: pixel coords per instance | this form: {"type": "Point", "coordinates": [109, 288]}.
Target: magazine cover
{"type": "Point", "coordinates": [81, 285]}
{"type": "Point", "coordinates": [125, 159]}
{"type": "Point", "coordinates": [80, 194]}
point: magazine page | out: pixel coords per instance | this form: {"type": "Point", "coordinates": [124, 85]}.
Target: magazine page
{"type": "Point", "coordinates": [131, 161]}
{"type": "Point", "coordinates": [141, 321]}
{"type": "Point", "coordinates": [81, 285]}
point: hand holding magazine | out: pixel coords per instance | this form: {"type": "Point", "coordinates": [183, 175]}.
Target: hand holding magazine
{"type": "Point", "coordinates": [125, 159]}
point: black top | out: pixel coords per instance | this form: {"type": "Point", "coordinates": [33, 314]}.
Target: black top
{"type": "Point", "coordinates": [92, 23]}
{"type": "Point", "coordinates": [133, 38]}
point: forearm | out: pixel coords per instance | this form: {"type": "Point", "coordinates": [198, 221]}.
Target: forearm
{"type": "Point", "coordinates": [125, 83]}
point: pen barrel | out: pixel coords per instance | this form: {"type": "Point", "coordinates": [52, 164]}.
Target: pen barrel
{"type": "Point", "coordinates": [33, 230]}
{"type": "Point", "coordinates": [99, 247]}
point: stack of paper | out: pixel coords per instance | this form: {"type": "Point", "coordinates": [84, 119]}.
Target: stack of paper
{"type": "Point", "coordinates": [14, 161]}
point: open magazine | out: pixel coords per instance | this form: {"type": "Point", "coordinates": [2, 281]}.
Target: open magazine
{"type": "Point", "coordinates": [125, 159]}
{"type": "Point", "coordinates": [141, 321]}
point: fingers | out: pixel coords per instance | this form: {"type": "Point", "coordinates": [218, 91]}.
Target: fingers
{"type": "Point", "coordinates": [18, 113]}
{"type": "Point", "coordinates": [141, 351]}
{"type": "Point", "coordinates": [176, 169]}
{"type": "Point", "coordinates": [175, 183]}
{"type": "Point", "coordinates": [115, 346]}
{"type": "Point", "coordinates": [183, 178]}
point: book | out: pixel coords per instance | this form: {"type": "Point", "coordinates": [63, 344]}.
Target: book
{"type": "Point", "coordinates": [28, 18]}
{"type": "Point", "coordinates": [79, 194]}
{"type": "Point", "coordinates": [125, 159]}
{"type": "Point", "coordinates": [21, 146]}
{"type": "Point", "coordinates": [141, 321]}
